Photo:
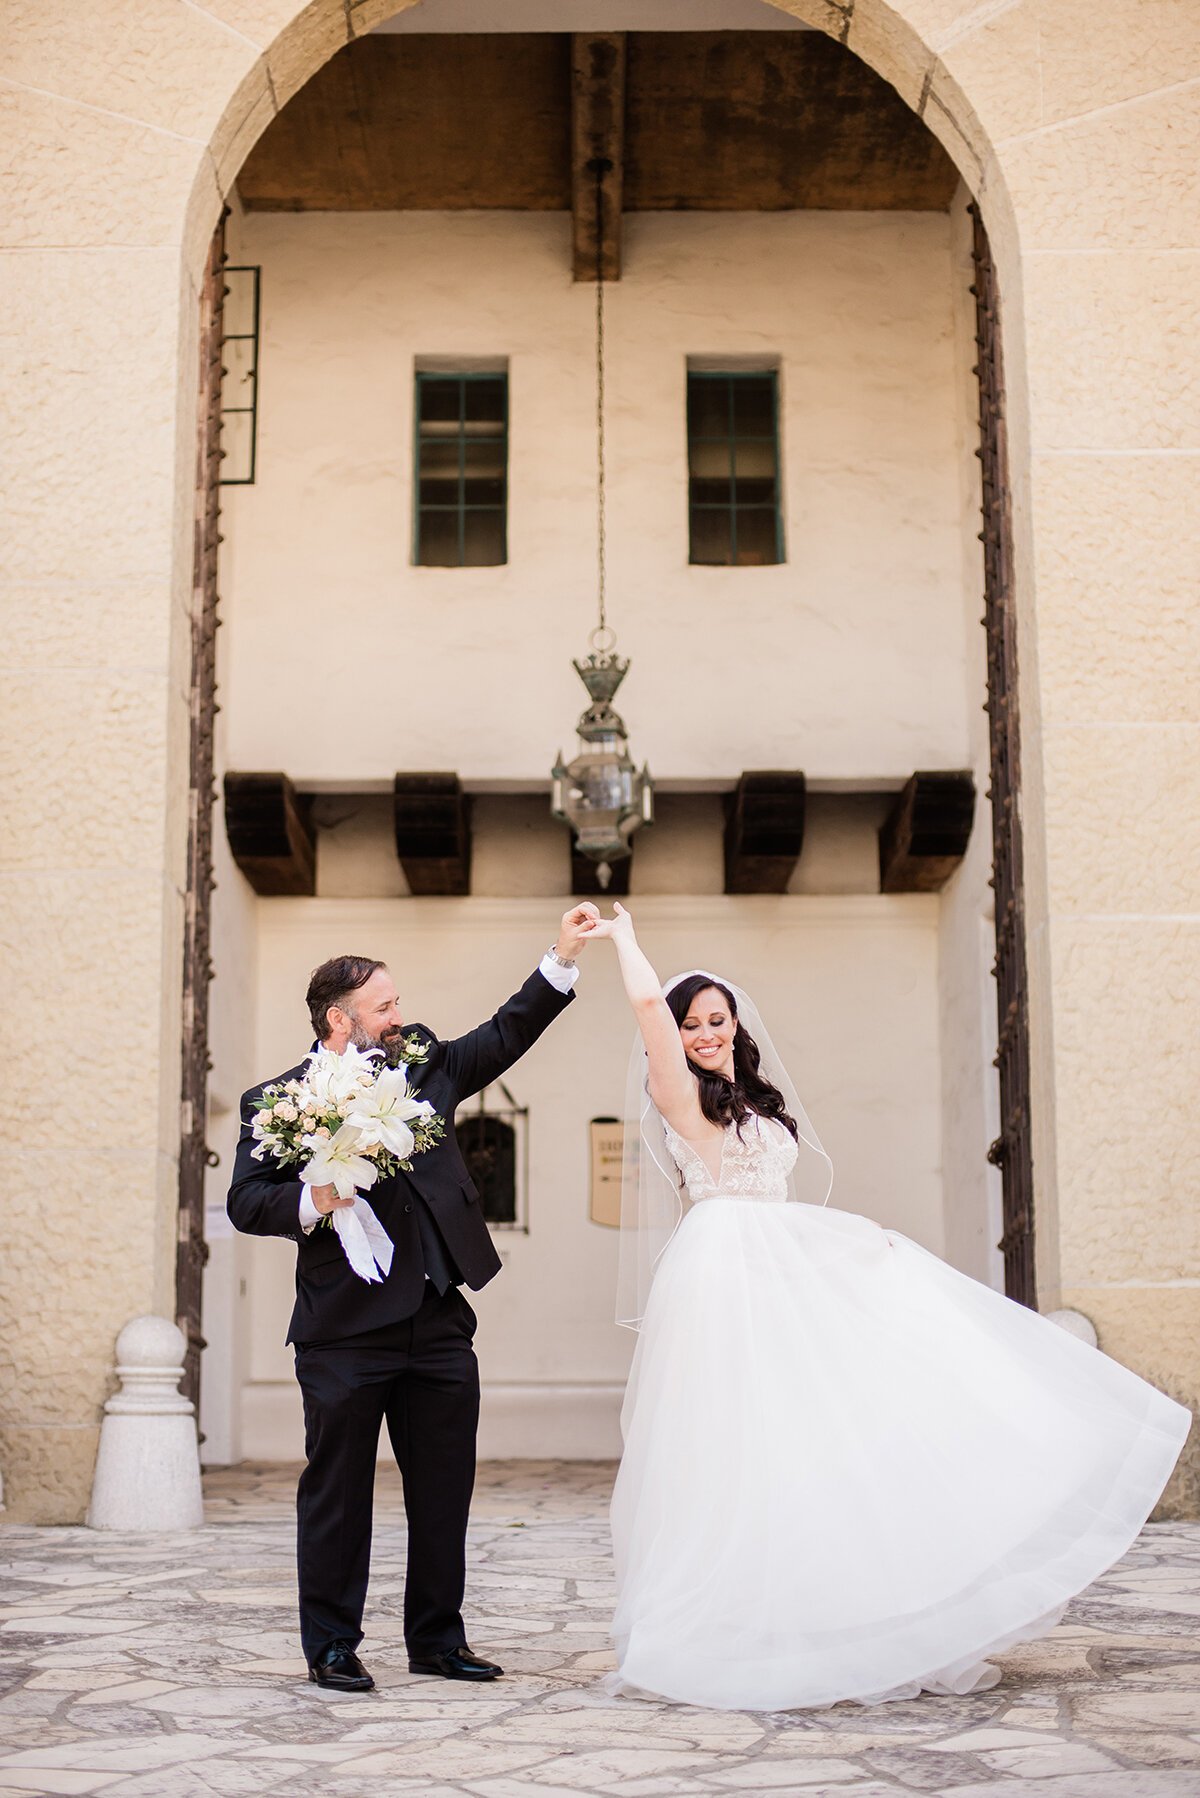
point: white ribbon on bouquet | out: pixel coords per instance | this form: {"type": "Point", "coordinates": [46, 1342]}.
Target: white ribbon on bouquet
{"type": "Point", "coordinates": [365, 1243]}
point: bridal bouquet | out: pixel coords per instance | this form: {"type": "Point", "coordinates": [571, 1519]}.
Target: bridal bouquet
{"type": "Point", "coordinates": [347, 1122]}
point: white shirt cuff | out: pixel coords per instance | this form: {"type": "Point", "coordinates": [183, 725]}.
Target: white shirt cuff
{"type": "Point", "coordinates": [561, 979]}
{"type": "Point", "coordinates": [310, 1217]}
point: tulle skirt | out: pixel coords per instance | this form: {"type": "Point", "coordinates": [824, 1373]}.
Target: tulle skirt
{"type": "Point", "coordinates": [853, 1473]}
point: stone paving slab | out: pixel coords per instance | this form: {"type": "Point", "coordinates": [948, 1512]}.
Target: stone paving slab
{"type": "Point", "coordinates": [168, 1667]}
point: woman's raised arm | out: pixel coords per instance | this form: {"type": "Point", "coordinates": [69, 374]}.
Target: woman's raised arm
{"type": "Point", "coordinates": [672, 1085]}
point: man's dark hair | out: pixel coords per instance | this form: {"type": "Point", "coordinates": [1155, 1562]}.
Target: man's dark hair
{"type": "Point", "coordinates": [332, 984]}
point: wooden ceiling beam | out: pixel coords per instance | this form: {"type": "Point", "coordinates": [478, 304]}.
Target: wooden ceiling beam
{"type": "Point", "coordinates": [764, 831]}
{"type": "Point", "coordinates": [926, 834]}
{"type": "Point", "coordinates": [597, 152]}
{"type": "Point", "coordinates": [270, 832]}
{"type": "Point", "coordinates": [432, 818]}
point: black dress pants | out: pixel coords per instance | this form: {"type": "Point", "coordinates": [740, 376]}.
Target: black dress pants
{"type": "Point", "coordinates": [421, 1376]}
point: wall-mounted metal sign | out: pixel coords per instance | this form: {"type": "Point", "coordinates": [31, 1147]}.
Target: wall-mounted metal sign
{"type": "Point", "coordinates": [607, 1145]}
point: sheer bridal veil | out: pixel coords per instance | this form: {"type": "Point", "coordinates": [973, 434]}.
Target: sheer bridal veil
{"type": "Point", "coordinates": [652, 1195]}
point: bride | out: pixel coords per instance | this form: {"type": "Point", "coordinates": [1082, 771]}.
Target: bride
{"type": "Point", "coordinates": [849, 1471]}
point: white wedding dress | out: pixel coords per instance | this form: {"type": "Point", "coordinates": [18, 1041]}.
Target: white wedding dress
{"type": "Point", "coordinates": [851, 1472]}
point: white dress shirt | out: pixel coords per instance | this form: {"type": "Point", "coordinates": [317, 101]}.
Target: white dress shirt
{"type": "Point", "coordinates": [560, 978]}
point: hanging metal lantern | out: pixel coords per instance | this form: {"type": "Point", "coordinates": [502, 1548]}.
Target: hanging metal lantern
{"type": "Point", "coordinates": [601, 794]}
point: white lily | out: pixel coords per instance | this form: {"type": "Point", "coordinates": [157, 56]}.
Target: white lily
{"type": "Point", "coordinates": [339, 1162]}
{"type": "Point", "coordinates": [384, 1111]}
{"type": "Point", "coordinates": [332, 1079]}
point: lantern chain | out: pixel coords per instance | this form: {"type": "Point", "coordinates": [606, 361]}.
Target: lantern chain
{"type": "Point", "coordinates": [600, 166]}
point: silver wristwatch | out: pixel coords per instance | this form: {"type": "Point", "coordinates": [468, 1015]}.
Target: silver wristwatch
{"type": "Point", "coordinates": [562, 960]}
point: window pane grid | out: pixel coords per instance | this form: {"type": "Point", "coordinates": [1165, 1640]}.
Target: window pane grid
{"type": "Point", "coordinates": [733, 470]}
{"type": "Point", "coordinates": [462, 458]}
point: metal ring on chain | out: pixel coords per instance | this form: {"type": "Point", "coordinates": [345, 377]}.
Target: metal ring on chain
{"type": "Point", "coordinates": [602, 639]}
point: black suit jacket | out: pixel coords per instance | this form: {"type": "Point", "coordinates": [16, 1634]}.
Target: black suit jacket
{"type": "Point", "coordinates": [264, 1199]}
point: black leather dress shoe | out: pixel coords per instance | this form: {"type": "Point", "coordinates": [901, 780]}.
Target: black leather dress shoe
{"type": "Point", "coordinates": [456, 1663]}
{"type": "Point", "coordinates": [339, 1668]}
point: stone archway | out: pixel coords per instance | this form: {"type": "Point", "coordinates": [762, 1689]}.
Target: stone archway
{"type": "Point", "coordinates": [128, 129]}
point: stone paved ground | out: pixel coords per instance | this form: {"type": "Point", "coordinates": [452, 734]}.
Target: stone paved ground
{"type": "Point", "coordinates": [167, 1666]}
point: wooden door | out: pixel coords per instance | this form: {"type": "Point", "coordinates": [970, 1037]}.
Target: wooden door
{"type": "Point", "coordinates": [1012, 1150]}
{"type": "Point", "coordinates": [197, 970]}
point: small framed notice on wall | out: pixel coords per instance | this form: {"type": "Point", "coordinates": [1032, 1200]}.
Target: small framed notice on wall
{"type": "Point", "coordinates": [608, 1141]}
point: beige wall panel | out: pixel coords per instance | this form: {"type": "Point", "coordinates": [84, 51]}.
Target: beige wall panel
{"type": "Point", "coordinates": [80, 176]}
{"type": "Point", "coordinates": [91, 493]}
{"type": "Point", "coordinates": [1128, 1058]}
{"type": "Point", "coordinates": [170, 1001]}
{"type": "Point", "coordinates": [95, 935]}
{"type": "Point", "coordinates": [1098, 55]}
{"type": "Point", "coordinates": [518, 850]}
{"type": "Point", "coordinates": [1111, 343]}
{"type": "Point", "coordinates": [942, 22]}
{"type": "Point", "coordinates": [1156, 1331]}
{"type": "Point", "coordinates": [684, 853]}
{"type": "Point", "coordinates": [262, 21]}
{"type": "Point", "coordinates": [87, 1245]}
{"type": "Point", "coordinates": [1122, 181]}
{"type": "Point", "coordinates": [87, 1251]}
{"type": "Point", "coordinates": [994, 69]}
{"type": "Point", "coordinates": [47, 1472]}
{"type": "Point", "coordinates": [851, 304]}
{"type": "Point", "coordinates": [1118, 576]}
{"type": "Point", "coordinates": [171, 66]}
{"type": "Point", "coordinates": [1123, 813]}
{"type": "Point", "coordinates": [841, 843]}
{"type": "Point", "coordinates": [85, 800]}
{"type": "Point", "coordinates": [118, 629]}
{"type": "Point", "coordinates": [356, 848]}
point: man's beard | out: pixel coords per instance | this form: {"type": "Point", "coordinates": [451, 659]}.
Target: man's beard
{"type": "Point", "coordinates": [389, 1041]}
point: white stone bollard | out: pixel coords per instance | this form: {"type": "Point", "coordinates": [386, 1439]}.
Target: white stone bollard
{"type": "Point", "coordinates": [1075, 1323]}
{"type": "Point", "coordinates": [148, 1466]}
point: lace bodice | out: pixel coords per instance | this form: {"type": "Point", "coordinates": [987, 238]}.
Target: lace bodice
{"type": "Point", "coordinates": [754, 1165]}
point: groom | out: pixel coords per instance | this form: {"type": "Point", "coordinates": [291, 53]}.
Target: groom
{"type": "Point", "coordinates": [401, 1350]}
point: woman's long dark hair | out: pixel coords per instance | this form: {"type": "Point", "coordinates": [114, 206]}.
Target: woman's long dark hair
{"type": "Point", "coordinates": [725, 1101]}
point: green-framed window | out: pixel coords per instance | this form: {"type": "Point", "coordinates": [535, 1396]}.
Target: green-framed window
{"type": "Point", "coordinates": [462, 470]}
{"type": "Point", "coordinates": [734, 518]}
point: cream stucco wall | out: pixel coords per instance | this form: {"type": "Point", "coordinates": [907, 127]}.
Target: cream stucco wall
{"type": "Point", "coordinates": [848, 660]}
{"type": "Point", "coordinates": [1075, 123]}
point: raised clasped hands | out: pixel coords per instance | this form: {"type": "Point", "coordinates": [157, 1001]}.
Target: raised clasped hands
{"type": "Point", "coordinates": [575, 929]}
{"type": "Point", "coordinates": [618, 926]}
